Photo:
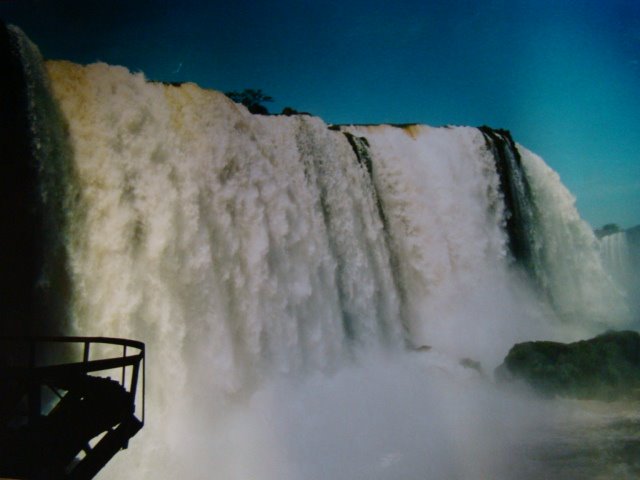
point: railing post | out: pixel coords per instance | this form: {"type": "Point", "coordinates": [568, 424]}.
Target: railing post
{"type": "Point", "coordinates": [85, 355]}
{"type": "Point", "coordinates": [134, 379]}
{"type": "Point", "coordinates": [144, 376]}
{"type": "Point", "coordinates": [124, 368]}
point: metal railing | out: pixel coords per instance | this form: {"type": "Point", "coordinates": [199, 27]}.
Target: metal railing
{"type": "Point", "coordinates": [69, 404]}
{"type": "Point", "coordinates": [41, 373]}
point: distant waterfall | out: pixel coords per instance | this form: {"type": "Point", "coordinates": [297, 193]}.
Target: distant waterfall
{"type": "Point", "coordinates": [621, 257]}
{"type": "Point", "coordinates": [617, 257]}
{"type": "Point", "coordinates": [243, 248]}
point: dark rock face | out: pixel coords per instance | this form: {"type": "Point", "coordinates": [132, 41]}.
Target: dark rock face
{"type": "Point", "coordinates": [520, 211]}
{"type": "Point", "coordinates": [20, 249]}
{"type": "Point", "coordinates": [34, 167]}
{"type": "Point", "coordinates": [606, 367]}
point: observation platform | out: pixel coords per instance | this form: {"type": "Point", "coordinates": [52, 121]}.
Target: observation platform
{"type": "Point", "coordinates": [67, 404]}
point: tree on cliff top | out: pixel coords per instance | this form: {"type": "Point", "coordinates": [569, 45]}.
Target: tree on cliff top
{"type": "Point", "coordinates": [252, 99]}
{"type": "Point", "coordinates": [608, 229]}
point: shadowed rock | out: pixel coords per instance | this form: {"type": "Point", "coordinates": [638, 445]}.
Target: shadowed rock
{"type": "Point", "coordinates": [606, 367]}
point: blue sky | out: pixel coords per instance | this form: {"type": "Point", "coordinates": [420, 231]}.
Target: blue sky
{"type": "Point", "coordinates": [562, 75]}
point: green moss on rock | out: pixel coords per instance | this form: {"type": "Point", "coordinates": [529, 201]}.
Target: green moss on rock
{"type": "Point", "coordinates": [605, 367]}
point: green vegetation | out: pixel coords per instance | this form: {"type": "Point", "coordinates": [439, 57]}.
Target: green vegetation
{"type": "Point", "coordinates": [252, 99]}
{"type": "Point", "coordinates": [606, 367]}
{"type": "Point", "coordinates": [608, 229]}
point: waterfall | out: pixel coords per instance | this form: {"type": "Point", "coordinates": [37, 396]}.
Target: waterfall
{"type": "Point", "coordinates": [247, 249]}
{"type": "Point", "coordinates": [520, 210]}
{"type": "Point", "coordinates": [621, 258]}
{"type": "Point", "coordinates": [617, 257]}
{"type": "Point", "coordinates": [566, 256]}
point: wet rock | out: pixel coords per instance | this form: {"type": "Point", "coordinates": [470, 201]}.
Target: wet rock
{"type": "Point", "coordinates": [471, 364]}
{"type": "Point", "coordinates": [422, 348]}
{"type": "Point", "coordinates": [606, 367]}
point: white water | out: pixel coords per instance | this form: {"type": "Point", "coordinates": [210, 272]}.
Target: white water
{"type": "Point", "coordinates": [249, 254]}
{"type": "Point", "coordinates": [620, 262]}
{"type": "Point", "coordinates": [616, 255]}
{"type": "Point", "coordinates": [580, 288]}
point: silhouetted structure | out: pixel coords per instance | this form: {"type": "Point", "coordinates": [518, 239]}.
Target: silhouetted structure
{"type": "Point", "coordinates": [252, 99]}
{"type": "Point", "coordinates": [58, 418]}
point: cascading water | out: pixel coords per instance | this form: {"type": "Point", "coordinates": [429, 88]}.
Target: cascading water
{"type": "Point", "coordinates": [617, 257]}
{"type": "Point", "coordinates": [567, 253]}
{"type": "Point", "coordinates": [520, 212]}
{"type": "Point", "coordinates": [265, 259]}
{"type": "Point", "coordinates": [622, 260]}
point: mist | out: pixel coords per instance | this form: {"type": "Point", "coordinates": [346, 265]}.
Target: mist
{"type": "Point", "coordinates": [410, 415]}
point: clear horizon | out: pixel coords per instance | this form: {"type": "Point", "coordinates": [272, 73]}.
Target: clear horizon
{"type": "Point", "coordinates": [563, 77]}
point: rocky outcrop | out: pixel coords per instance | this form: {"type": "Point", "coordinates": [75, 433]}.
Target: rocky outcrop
{"type": "Point", "coordinates": [20, 249]}
{"type": "Point", "coordinates": [606, 367]}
